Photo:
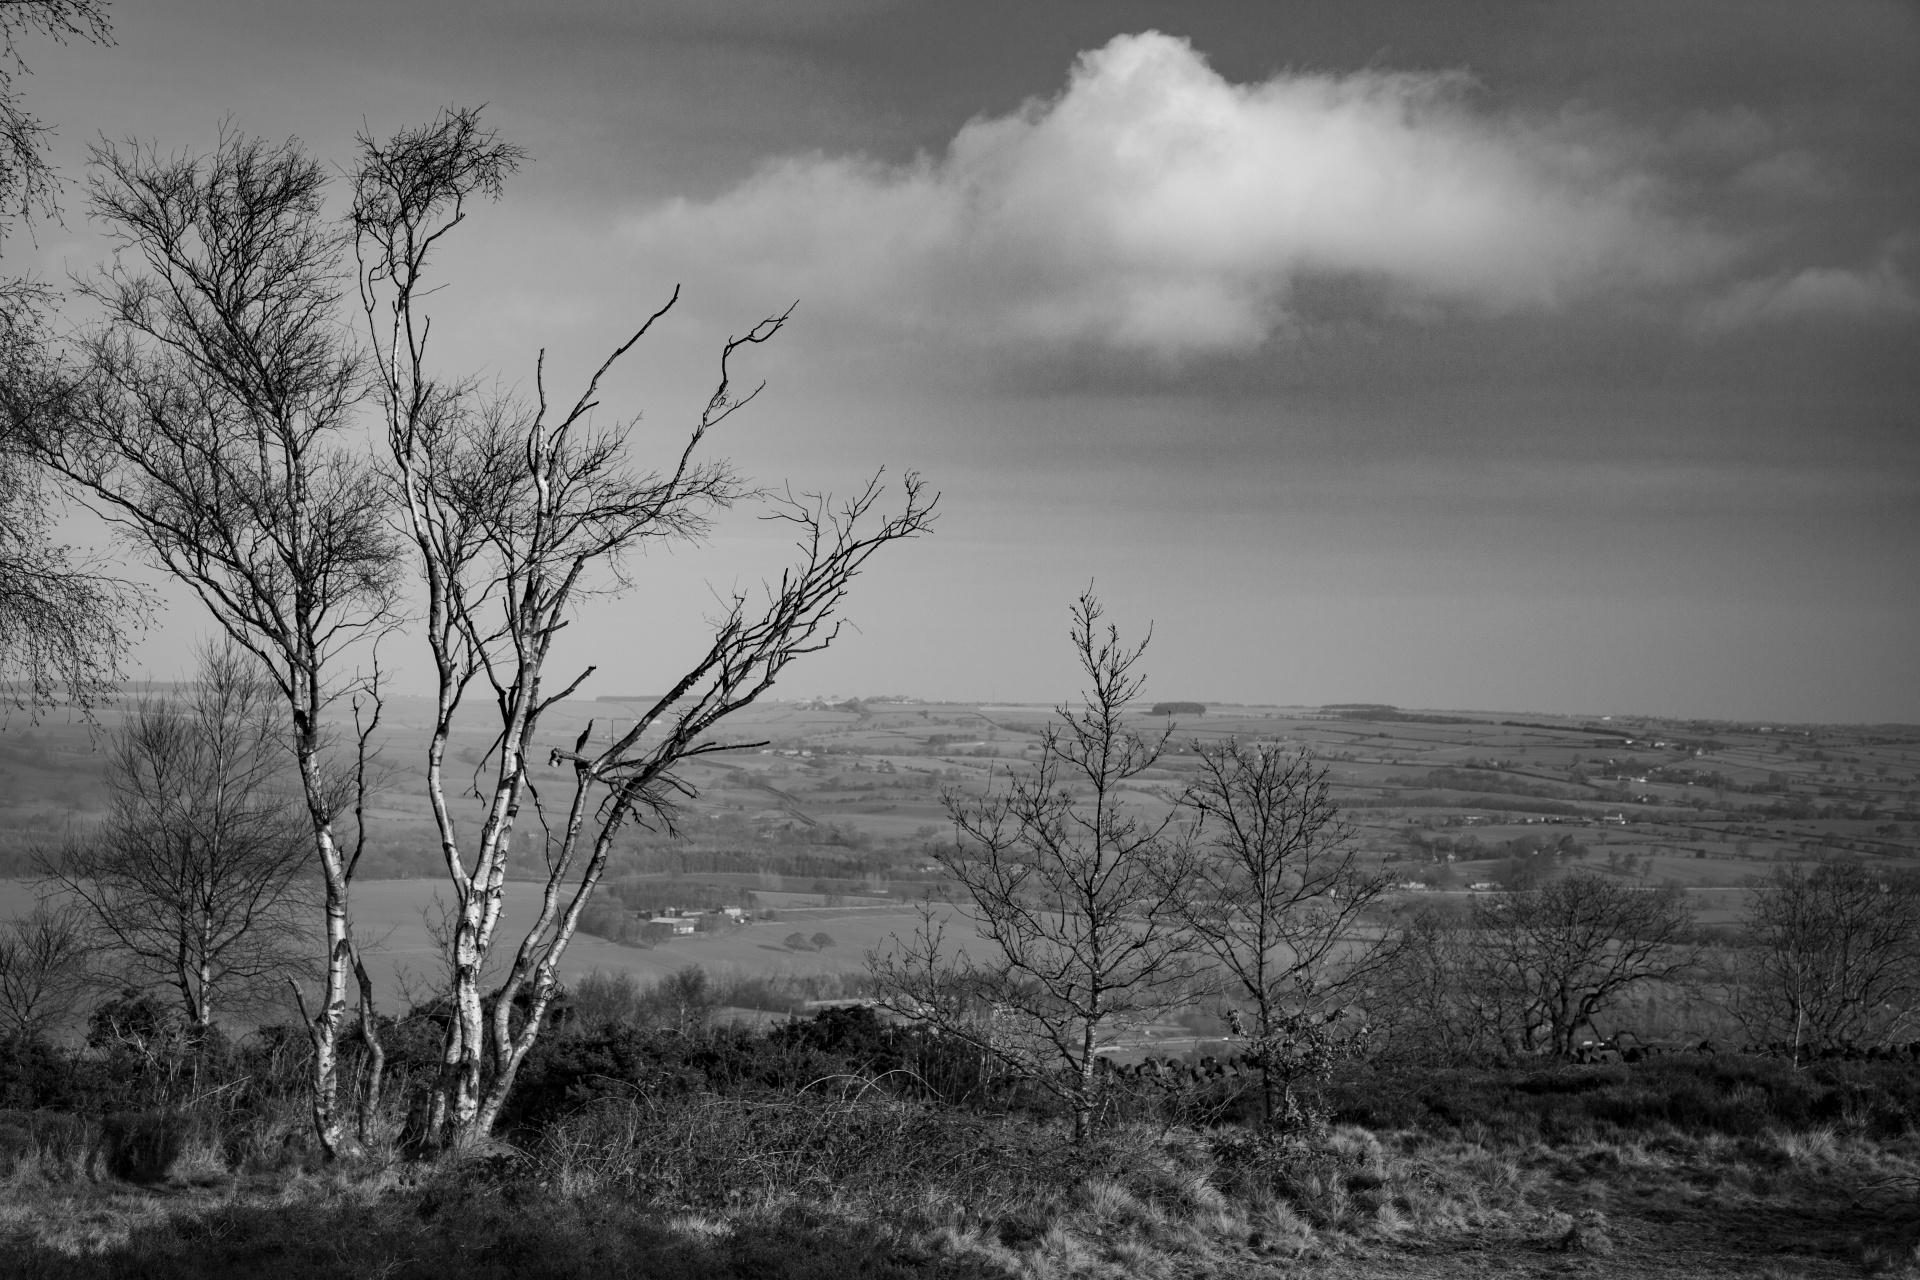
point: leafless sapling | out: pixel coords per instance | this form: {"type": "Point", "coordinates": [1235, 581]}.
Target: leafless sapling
{"type": "Point", "coordinates": [1276, 896]}
{"type": "Point", "coordinates": [1830, 955]}
{"type": "Point", "coordinates": [1075, 888]}
{"type": "Point", "coordinates": [197, 878]}
{"type": "Point", "coordinates": [46, 969]}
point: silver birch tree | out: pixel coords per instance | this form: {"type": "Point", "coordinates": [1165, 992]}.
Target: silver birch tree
{"type": "Point", "coordinates": [209, 419]}
{"type": "Point", "coordinates": [510, 508]}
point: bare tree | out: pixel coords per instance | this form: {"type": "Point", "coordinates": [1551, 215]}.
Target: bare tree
{"type": "Point", "coordinates": [1542, 963]}
{"type": "Point", "coordinates": [511, 507]}
{"type": "Point", "coordinates": [1276, 895]}
{"type": "Point", "coordinates": [1076, 889]}
{"type": "Point", "coordinates": [210, 422]}
{"type": "Point", "coordinates": [45, 970]}
{"type": "Point", "coordinates": [686, 998]}
{"type": "Point", "coordinates": [1427, 1007]}
{"type": "Point", "coordinates": [1831, 956]}
{"type": "Point", "coordinates": [196, 878]}
{"type": "Point", "coordinates": [58, 613]}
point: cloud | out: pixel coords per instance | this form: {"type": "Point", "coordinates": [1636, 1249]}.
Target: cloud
{"type": "Point", "coordinates": [1812, 293]}
{"type": "Point", "coordinates": [1152, 206]}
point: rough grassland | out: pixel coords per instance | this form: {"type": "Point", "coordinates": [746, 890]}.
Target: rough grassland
{"type": "Point", "coordinates": [1722, 1182]}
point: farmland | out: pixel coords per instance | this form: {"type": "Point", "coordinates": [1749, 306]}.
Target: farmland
{"type": "Point", "coordinates": [824, 818]}
{"type": "Point", "coordinates": [835, 807]}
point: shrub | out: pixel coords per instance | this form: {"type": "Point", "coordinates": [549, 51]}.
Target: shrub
{"type": "Point", "coordinates": [601, 998]}
{"type": "Point", "coordinates": [821, 941]}
{"type": "Point", "coordinates": [798, 942]}
{"type": "Point", "coordinates": [142, 1146]}
{"type": "Point", "coordinates": [47, 1144]}
{"type": "Point", "coordinates": [1730, 1094]}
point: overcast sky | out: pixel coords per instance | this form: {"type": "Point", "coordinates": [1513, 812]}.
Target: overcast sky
{"type": "Point", "coordinates": [1513, 356]}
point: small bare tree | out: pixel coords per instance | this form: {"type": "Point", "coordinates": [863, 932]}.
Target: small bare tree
{"type": "Point", "coordinates": [1545, 962]}
{"type": "Point", "coordinates": [512, 508]}
{"type": "Point", "coordinates": [1830, 956]}
{"type": "Point", "coordinates": [196, 879]}
{"type": "Point", "coordinates": [1276, 895]}
{"type": "Point", "coordinates": [210, 420]}
{"type": "Point", "coordinates": [686, 999]}
{"type": "Point", "coordinates": [1076, 889]}
{"type": "Point", "coordinates": [45, 969]}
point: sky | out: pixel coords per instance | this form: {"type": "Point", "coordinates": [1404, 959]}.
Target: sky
{"type": "Point", "coordinates": [1520, 356]}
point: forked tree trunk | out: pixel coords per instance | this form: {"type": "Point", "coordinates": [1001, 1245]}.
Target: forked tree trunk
{"type": "Point", "coordinates": [460, 1121]}
{"type": "Point", "coordinates": [537, 960]}
{"type": "Point", "coordinates": [462, 1064]}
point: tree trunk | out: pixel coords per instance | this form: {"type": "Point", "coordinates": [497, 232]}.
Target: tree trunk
{"type": "Point", "coordinates": [203, 1000]}
{"type": "Point", "coordinates": [1264, 1027]}
{"type": "Point", "coordinates": [376, 1054]}
{"type": "Point", "coordinates": [506, 1068]}
{"type": "Point", "coordinates": [324, 1030]}
{"type": "Point", "coordinates": [467, 1036]}
{"type": "Point", "coordinates": [1084, 1099]}
{"type": "Point", "coordinates": [323, 1027]}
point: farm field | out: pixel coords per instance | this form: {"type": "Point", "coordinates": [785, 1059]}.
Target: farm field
{"type": "Point", "coordinates": [393, 919]}
{"type": "Point", "coordinates": [825, 814]}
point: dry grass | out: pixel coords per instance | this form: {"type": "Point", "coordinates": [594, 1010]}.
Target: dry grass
{"type": "Point", "coordinates": [1147, 1205]}
{"type": "Point", "coordinates": [838, 1181]}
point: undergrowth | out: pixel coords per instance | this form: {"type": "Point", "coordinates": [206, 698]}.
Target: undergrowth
{"type": "Point", "coordinates": [831, 1148]}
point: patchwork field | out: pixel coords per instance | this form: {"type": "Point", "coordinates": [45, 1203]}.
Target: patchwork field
{"type": "Point", "coordinates": [826, 815]}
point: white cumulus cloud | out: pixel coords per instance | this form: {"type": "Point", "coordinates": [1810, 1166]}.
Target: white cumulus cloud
{"type": "Point", "coordinates": [1154, 206]}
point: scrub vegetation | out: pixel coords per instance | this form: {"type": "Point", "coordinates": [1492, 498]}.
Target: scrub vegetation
{"type": "Point", "coordinates": [651, 1145]}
